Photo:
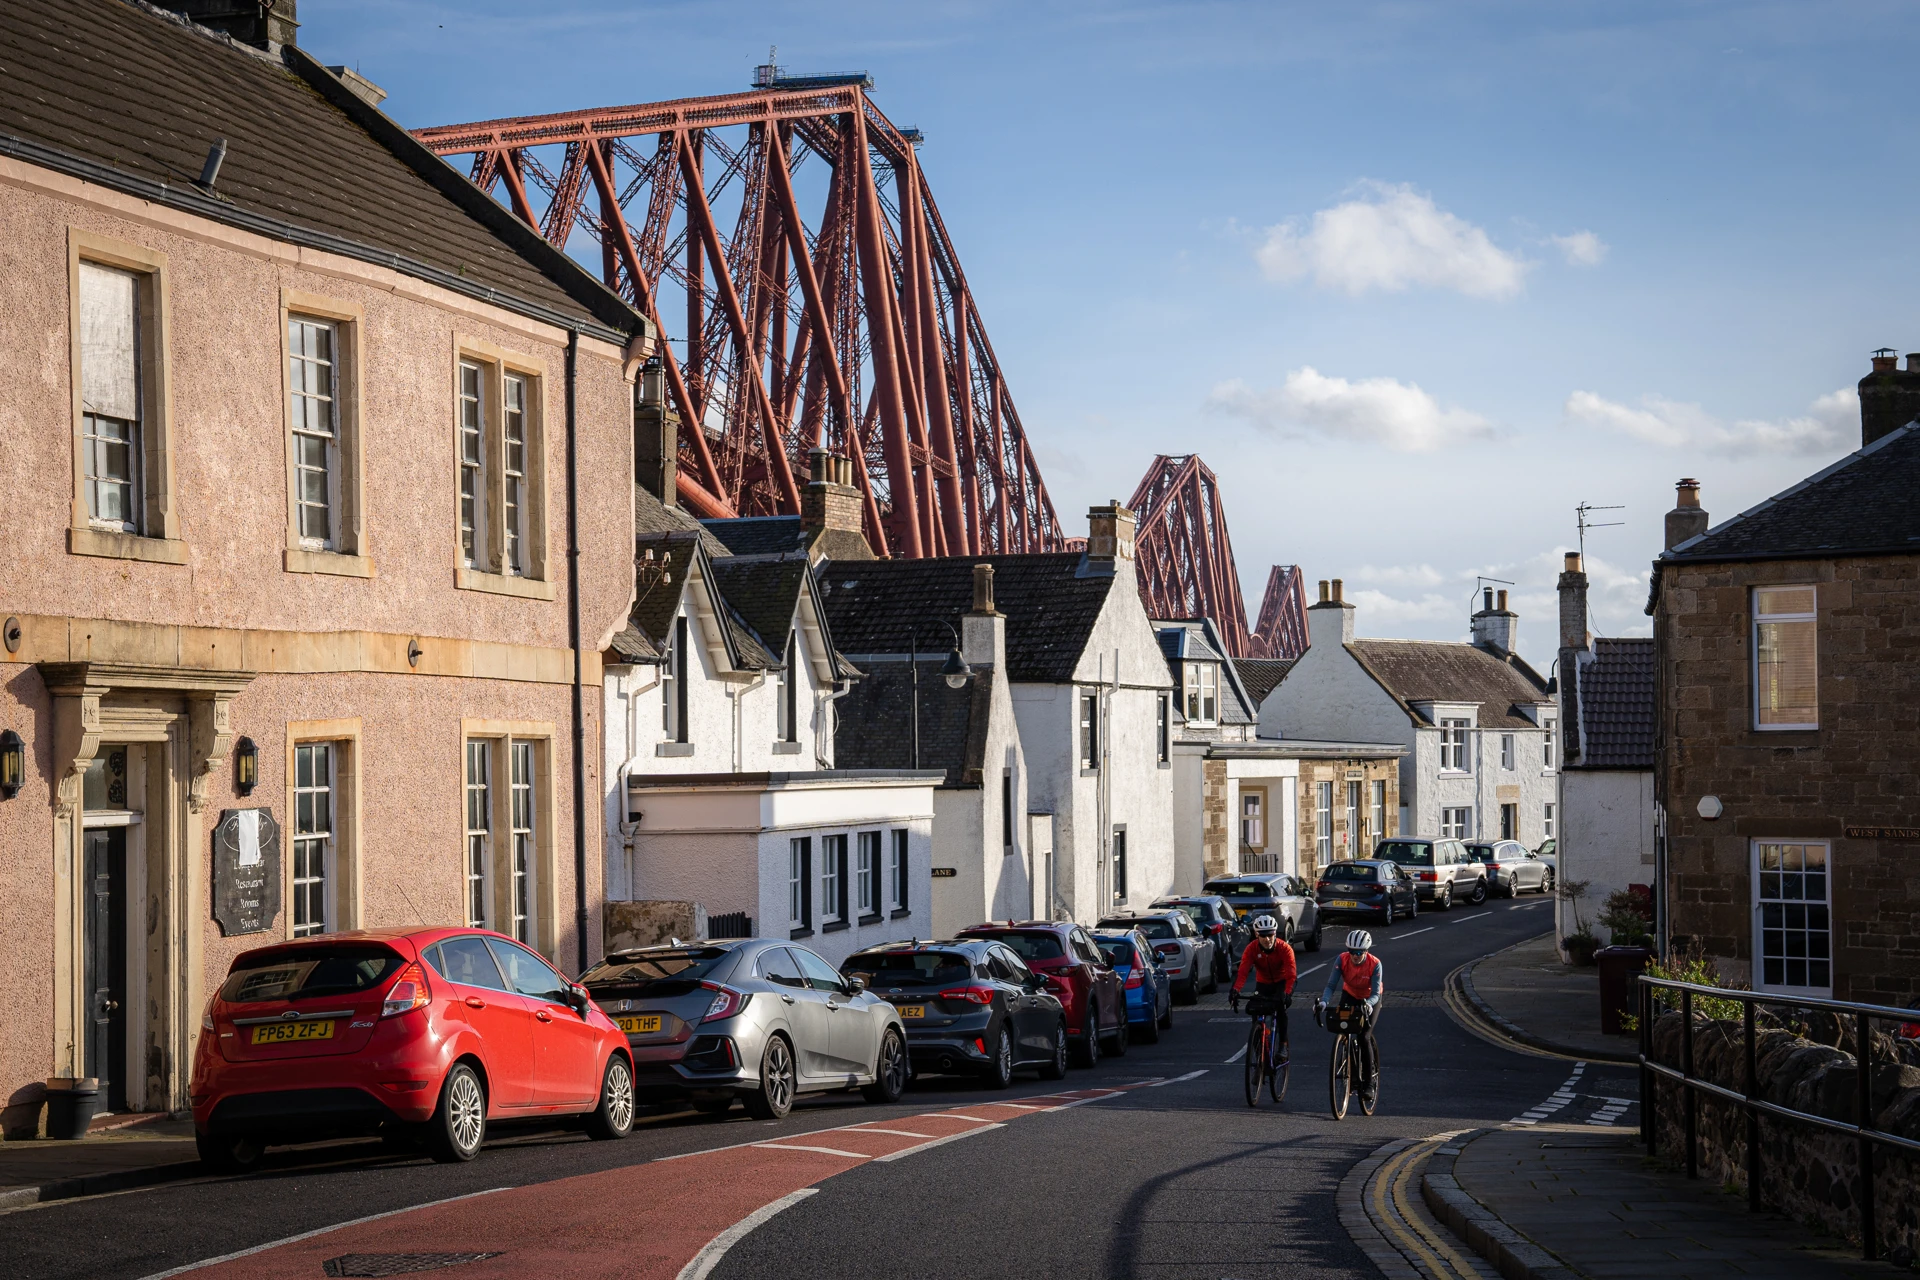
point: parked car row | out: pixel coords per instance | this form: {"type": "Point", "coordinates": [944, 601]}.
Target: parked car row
{"type": "Point", "coordinates": [1403, 873]}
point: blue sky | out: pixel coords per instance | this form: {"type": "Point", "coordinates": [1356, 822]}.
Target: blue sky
{"type": "Point", "coordinates": [1414, 279]}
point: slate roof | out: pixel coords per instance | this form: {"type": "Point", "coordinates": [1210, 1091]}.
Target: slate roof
{"type": "Point", "coordinates": [650, 515]}
{"type": "Point", "coordinates": [874, 729]}
{"type": "Point", "coordinates": [644, 639]}
{"type": "Point", "coordinates": [1261, 676]}
{"type": "Point", "coordinates": [1441, 671]}
{"type": "Point", "coordinates": [759, 535]}
{"type": "Point", "coordinates": [1866, 503]}
{"type": "Point", "coordinates": [1616, 706]}
{"type": "Point", "coordinates": [131, 96]}
{"type": "Point", "coordinates": [762, 593]}
{"type": "Point", "coordinates": [875, 605]}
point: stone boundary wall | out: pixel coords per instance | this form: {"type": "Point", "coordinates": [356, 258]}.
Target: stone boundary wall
{"type": "Point", "coordinates": [1806, 1173]}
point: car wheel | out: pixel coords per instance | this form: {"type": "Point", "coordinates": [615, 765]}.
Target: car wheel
{"type": "Point", "coordinates": [1314, 939]}
{"type": "Point", "coordinates": [228, 1155]}
{"type": "Point", "coordinates": [1386, 923]}
{"type": "Point", "coordinates": [1189, 991]}
{"type": "Point", "coordinates": [1116, 1046]}
{"type": "Point", "coordinates": [1055, 1068]}
{"type": "Point", "coordinates": [1087, 1052]}
{"type": "Point", "coordinates": [999, 1069]}
{"type": "Point", "coordinates": [889, 1071]}
{"type": "Point", "coordinates": [613, 1118]}
{"type": "Point", "coordinates": [1413, 907]}
{"type": "Point", "coordinates": [1149, 1031]}
{"type": "Point", "coordinates": [459, 1123]}
{"type": "Point", "coordinates": [1479, 891]}
{"type": "Point", "coordinates": [1213, 971]}
{"type": "Point", "coordinates": [774, 1098]}
{"type": "Point", "coordinates": [1444, 902]}
{"type": "Point", "coordinates": [1546, 882]}
{"type": "Point", "coordinates": [1165, 1020]}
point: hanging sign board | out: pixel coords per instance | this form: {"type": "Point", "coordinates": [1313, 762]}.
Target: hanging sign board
{"type": "Point", "coordinates": [246, 871]}
{"type": "Point", "coordinates": [945, 873]}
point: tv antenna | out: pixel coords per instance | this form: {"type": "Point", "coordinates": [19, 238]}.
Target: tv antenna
{"type": "Point", "coordinates": [1584, 524]}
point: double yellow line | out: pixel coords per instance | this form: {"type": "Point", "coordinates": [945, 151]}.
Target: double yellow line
{"type": "Point", "coordinates": [1389, 1184]}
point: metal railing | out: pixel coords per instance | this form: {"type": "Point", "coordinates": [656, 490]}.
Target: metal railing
{"type": "Point", "coordinates": [1748, 1099]}
{"type": "Point", "coordinates": [730, 924]}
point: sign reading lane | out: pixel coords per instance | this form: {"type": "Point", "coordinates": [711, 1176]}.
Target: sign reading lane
{"type": "Point", "coordinates": [945, 873]}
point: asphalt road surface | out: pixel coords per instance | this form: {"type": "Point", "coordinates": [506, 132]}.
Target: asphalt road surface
{"type": "Point", "coordinates": [1147, 1165]}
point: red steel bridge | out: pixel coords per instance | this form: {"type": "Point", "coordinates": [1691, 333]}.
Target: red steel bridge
{"type": "Point", "coordinates": [791, 235]}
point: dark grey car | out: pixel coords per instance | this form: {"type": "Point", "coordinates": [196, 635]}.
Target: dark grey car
{"type": "Point", "coordinates": [1288, 899]}
{"type": "Point", "coordinates": [1442, 869]}
{"type": "Point", "coordinates": [1511, 868]}
{"type": "Point", "coordinates": [758, 1020]}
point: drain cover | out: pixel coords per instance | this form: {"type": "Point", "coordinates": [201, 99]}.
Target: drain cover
{"type": "Point", "coordinates": [397, 1264]}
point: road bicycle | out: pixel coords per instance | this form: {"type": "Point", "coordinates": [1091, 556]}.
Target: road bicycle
{"type": "Point", "coordinates": [1348, 1022]}
{"type": "Point", "coordinates": [1264, 1063]}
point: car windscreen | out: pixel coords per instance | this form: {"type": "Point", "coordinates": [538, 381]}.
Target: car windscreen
{"type": "Point", "coordinates": [1241, 888]}
{"type": "Point", "coordinates": [1406, 853]}
{"type": "Point", "coordinates": [1119, 952]}
{"type": "Point", "coordinates": [309, 973]}
{"type": "Point", "coordinates": [1196, 910]}
{"type": "Point", "coordinates": [884, 969]}
{"type": "Point", "coordinates": [1032, 946]}
{"type": "Point", "coordinates": [672, 972]}
{"type": "Point", "coordinates": [1150, 927]}
{"type": "Point", "coordinates": [1483, 853]}
{"type": "Point", "coordinates": [1351, 871]}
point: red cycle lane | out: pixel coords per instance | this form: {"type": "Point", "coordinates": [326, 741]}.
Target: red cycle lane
{"type": "Point", "coordinates": [640, 1222]}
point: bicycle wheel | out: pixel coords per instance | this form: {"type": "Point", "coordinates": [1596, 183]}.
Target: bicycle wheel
{"type": "Point", "coordinates": [1340, 1079]}
{"type": "Point", "coordinates": [1256, 1059]}
{"type": "Point", "coordinates": [1277, 1078]}
{"type": "Point", "coordinates": [1368, 1101]}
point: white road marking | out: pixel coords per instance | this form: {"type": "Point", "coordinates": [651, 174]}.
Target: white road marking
{"type": "Point", "coordinates": [955, 1115]}
{"type": "Point", "coordinates": [708, 1258]}
{"type": "Point", "coordinates": [1238, 1054]}
{"type": "Point", "coordinates": [1191, 1075]}
{"type": "Point", "coordinates": [1415, 933]}
{"type": "Point", "coordinates": [320, 1231]}
{"type": "Point", "coordinates": [1464, 919]}
{"type": "Point", "coordinates": [794, 1146]}
{"type": "Point", "coordinates": [1304, 972]}
{"type": "Point", "coordinates": [898, 1133]}
{"type": "Point", "coordinates": [1615, 1108]}
{"type": "Point", "coordinates": [937, 1142]}
{"type": "Point", "coordinates": [1018, 1106]}
{"type": "Point", "coordinates": [1557, 1099]}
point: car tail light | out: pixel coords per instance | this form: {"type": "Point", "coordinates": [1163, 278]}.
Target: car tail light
{"type": "Point", "coordinates": [1167, 948]}
{"type": "Point", "coordinates": [408, 992]}
{"type": "Point", "coordinates": [969, 995]}
{"type": "Point", "coordinates": [1324, 884]}
{"type": "Point", "coordinates": [726, 1002]}
{"type": "Point", "coordinates": [206, 1015]}
{"type": "Point", "coordinates": [1426, 875]}
{"type": "Point", "coordinates": [1134, 980]}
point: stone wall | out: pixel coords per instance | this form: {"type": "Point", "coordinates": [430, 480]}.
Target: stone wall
{"type": "Point", "coordinates": [1806, 1173]}
{"type": "Point", "coordinates": [1851, 782]}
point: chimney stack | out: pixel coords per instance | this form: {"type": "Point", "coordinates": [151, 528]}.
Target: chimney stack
{"type": "Point", "coordinates": [1573, 606]}
{"type": "Point", "coordinates": [656, 436]}
{"type": "Point", "coordinates": [1494, 626]}
{"type": "Point", "coordinates": [1330, 623]}
{"type": "Point", "coordinates": [1687, 520]}
{"type": "Point", "coordinates": [264, 24]}
{"type": "Point", "coordinates": [830, 504]}
{"type": "Point", "coordinates": [983, 588]}
{"type": "Point", "coordinates": [1889, 397]}
{"type": "Point", "coordinates": [1110, 531]}
{"type": "Point", "coordinates": [983, 629]}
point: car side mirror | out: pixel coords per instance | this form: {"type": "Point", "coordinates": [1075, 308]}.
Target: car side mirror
{"type": "Point", "coordinates": [576, 995]}
{"type": "Point", "coordinates": [856, 984]}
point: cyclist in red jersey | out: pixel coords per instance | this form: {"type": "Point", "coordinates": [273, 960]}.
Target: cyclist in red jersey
{"type": "Point", "coordinates": [1358, 978]}
{"type": "Point", "coordinates": [1269, 962]}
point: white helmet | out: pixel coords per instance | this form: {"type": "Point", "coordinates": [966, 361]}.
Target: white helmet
{"type": "Point", "coordinates": [1266, 924]}
{"type": "Point", "coordinates": [1360, 940]}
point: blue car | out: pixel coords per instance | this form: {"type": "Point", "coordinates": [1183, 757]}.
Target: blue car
{"type": "Point", "coordinates": [1149, 990]}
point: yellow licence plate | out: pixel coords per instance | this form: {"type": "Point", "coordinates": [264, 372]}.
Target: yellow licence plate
{"type": "Point", "coordinates": [639, 1026]}
{"type": "Point", "coordinates": [1345, 904]}
{"type": "Point", "coordinates": [285, 1032]}
{"type": "Point", "coordinates": [913, 1011]}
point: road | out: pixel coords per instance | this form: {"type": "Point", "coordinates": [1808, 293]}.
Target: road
{"type": "Point", "coordinates": [1147, 1165]}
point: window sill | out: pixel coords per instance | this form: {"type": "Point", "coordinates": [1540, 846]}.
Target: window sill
{"type": "Point", "coordinates": [673, 748]}
{"type": "Point", "coordinates": [901, 913]}
{"type": "Point", "coordinates": [300, 560]}
{"type": "Point", "coordinates": [1089, 773]}
{"type": "Point", "coordinates": [501, 584]}
{"type": "Point", "coordinates": [125, 546]}
{"type": "Point", "coordinates": [1166, 764]}
{"type": "Point", "coordinates": [875, 918]}
{"type": "Point", "coordinates": [835, 926]}
{"type": "Point", "coordinates": [786, 748]}
{"type": "Point", "coordinates": [800, 933]}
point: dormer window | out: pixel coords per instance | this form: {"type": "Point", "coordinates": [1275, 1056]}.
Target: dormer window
{"type": "Point", "coordinates": [1203, 692]}
{"type": "Point", "coordinates": [789, 691]}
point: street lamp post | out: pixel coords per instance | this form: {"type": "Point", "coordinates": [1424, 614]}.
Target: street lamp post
{"type": "Point", "coordinates": [956, 671]}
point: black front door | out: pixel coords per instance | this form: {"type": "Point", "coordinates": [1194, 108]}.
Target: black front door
{"type": "Point", "coordinates": [106, 978]}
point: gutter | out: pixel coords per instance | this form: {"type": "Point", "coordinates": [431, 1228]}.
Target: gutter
{"type": "Point", "coordinates": [573, 643]}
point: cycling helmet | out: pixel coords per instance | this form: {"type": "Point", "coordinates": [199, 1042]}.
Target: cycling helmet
{"type": "Point", "coordinates": [1360, 940]}
{"type": "Point", "coordinates": [1266, 924]}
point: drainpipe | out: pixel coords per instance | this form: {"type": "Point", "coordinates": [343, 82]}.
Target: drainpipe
{"type": "Point", "coordinates": [827, 718]}
{"type": "Point", "coordinates": [737, 692]}
{"type": "Point", "coordinates": [573, 643]}
{"type": "Point", "coordinates": [629, 830]}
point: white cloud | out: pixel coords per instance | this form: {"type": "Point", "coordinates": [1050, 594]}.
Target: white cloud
{"type": "Point", "coordinates": [1391, 238]}
{"type": "Point", "coordinates": [1398, 575]}
{"type": "Point", "coordinates": [1383, 411]}
{"type": "Point", "coordinates": [1829, 423]}
{"type": "Point", "coordinates": [1582, 249]}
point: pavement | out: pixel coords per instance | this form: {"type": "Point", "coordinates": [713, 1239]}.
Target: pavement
{"type": "Point", "coordinates": [114, 1157]}
{"type": "Point", "coordinates": [1528, 995]}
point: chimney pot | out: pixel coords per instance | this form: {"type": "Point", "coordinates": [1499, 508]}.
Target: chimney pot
{"type": "Point", "coordinates": [1883, 361]}
{"type": "Point", "coordinates": [1325, 591]}
{"type": "Point", "coordinates": [1338, 597]}
{"type": "Point", "coordinates": [1573, 562]}
{"type": "Point", "coordinates": [1689, 491]}
{"type": "Point", "coordinates": [983, 588]}
{"type": "Point", "coordinates": [1913, 362]}
{"type": "Point", "coordinates": [1503, 601]}
{"type": "Point", "coordinates": [1486, 599]}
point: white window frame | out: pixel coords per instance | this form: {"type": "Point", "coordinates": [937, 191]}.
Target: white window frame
{"type": "Point", "coordinates": [1546, 820]}
{"type": "Point", "coordinates": [515, 469]}
{"type": "Point", "coordinates": [1163, 728]}
{"type": "Point", "coordinates": [500, 450]}
{"type": "Point", "coordinates": [1323, 822]}
{"type": "Point", "coordinates": [788, 729]}
{"type": "Point", "coordinates": [1506, 751]}
{"type": "Point", "coordinates": [1456, 821]}
{"type": "Point", "coordinates": [1810, 619]}
{"type": "Point", "coordinates": [899, 869]}
{"type": "Point", "coordinates": [799, 886]}
{"type": "Point", "coordinates": [1549, 745]}
{"type": "Point", "coordinates": [1253, 818]}
{"type": "Point", "coordinates": [479, 851]}
{"type": "Point", "coordinates": [1823, 905]}
{"type": "Point", "coordinates": [833, 865]}
{"type": "Point", "coordinates": [1453, 745]}
{"type": "Point", "coordinates": [314, 841]}
{"type": "Point", "coordinates": [318, 391]}
{"type": "Point", "coordinates": [1203, 693]}
{"type": "Point", "coordinates": [674, 690]}
{"type": "Point", "coordinates": [523, 826]}
{"type": "Point", "coordinates": [1377, 802]}
{"type": "Point", "coordinates": [1089, 729]}
{"type": "Point", "coordinates": [475, 474]}
{"type": "Point", "coordinates": [867, 872]}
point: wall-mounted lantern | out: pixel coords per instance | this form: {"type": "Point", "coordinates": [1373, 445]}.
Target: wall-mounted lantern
{"type": "Point", "coordinates": [13, 764]}
{"type": "Point", "coordinates": [246, 766]}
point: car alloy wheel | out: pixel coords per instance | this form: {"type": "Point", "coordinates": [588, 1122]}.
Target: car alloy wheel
{"type": "Point", "coordinates": [1088, 1052]}
{"type": "Point", "coordinates": [1479, 891]}
{"type": "Point", "coordinates": [1445, 901]}
{"type": "Point", "coordinates": [1546, 882]}
{"type": "Point", "coordinates": [889, 1071]}
{"type": "Point", "coordinates": [613, 1118]}
{"type": "Point", "coordinates": [459, 1126]}
{"type": "Point", "coordinates": [1055, 1068]}
{"type": "Point", "coordinates": [999, 1072]}
{"type": "Point", "coordinates": [1389, 919]}
{"type": "Point", "coordinates": [774, 1098]}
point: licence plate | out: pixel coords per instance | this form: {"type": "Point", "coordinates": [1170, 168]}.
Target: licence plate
{"type": "Point", "coordinates": [639, 1026]}
{"type": "Point", "coordinates": [1345, 904]}
{"type": "Point", "coordinates": [286, 1032]}
{"type": "Point", "coordinates": [913, 1011]}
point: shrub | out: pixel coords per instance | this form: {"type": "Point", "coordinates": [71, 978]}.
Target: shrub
{"type": "Point", "coordinates": [1626, 917]}
{"type": "Point", "coordinates": [1692, 965]}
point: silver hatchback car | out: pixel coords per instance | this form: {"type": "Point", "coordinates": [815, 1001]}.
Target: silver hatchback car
{"type": "Point", "coordinates": [758, 1020]}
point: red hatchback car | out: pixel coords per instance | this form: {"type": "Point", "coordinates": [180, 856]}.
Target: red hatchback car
{"type": "Point", "coordinates": [429, 1032]}
{"type": "Point", "coordinates": [1085, 983]}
